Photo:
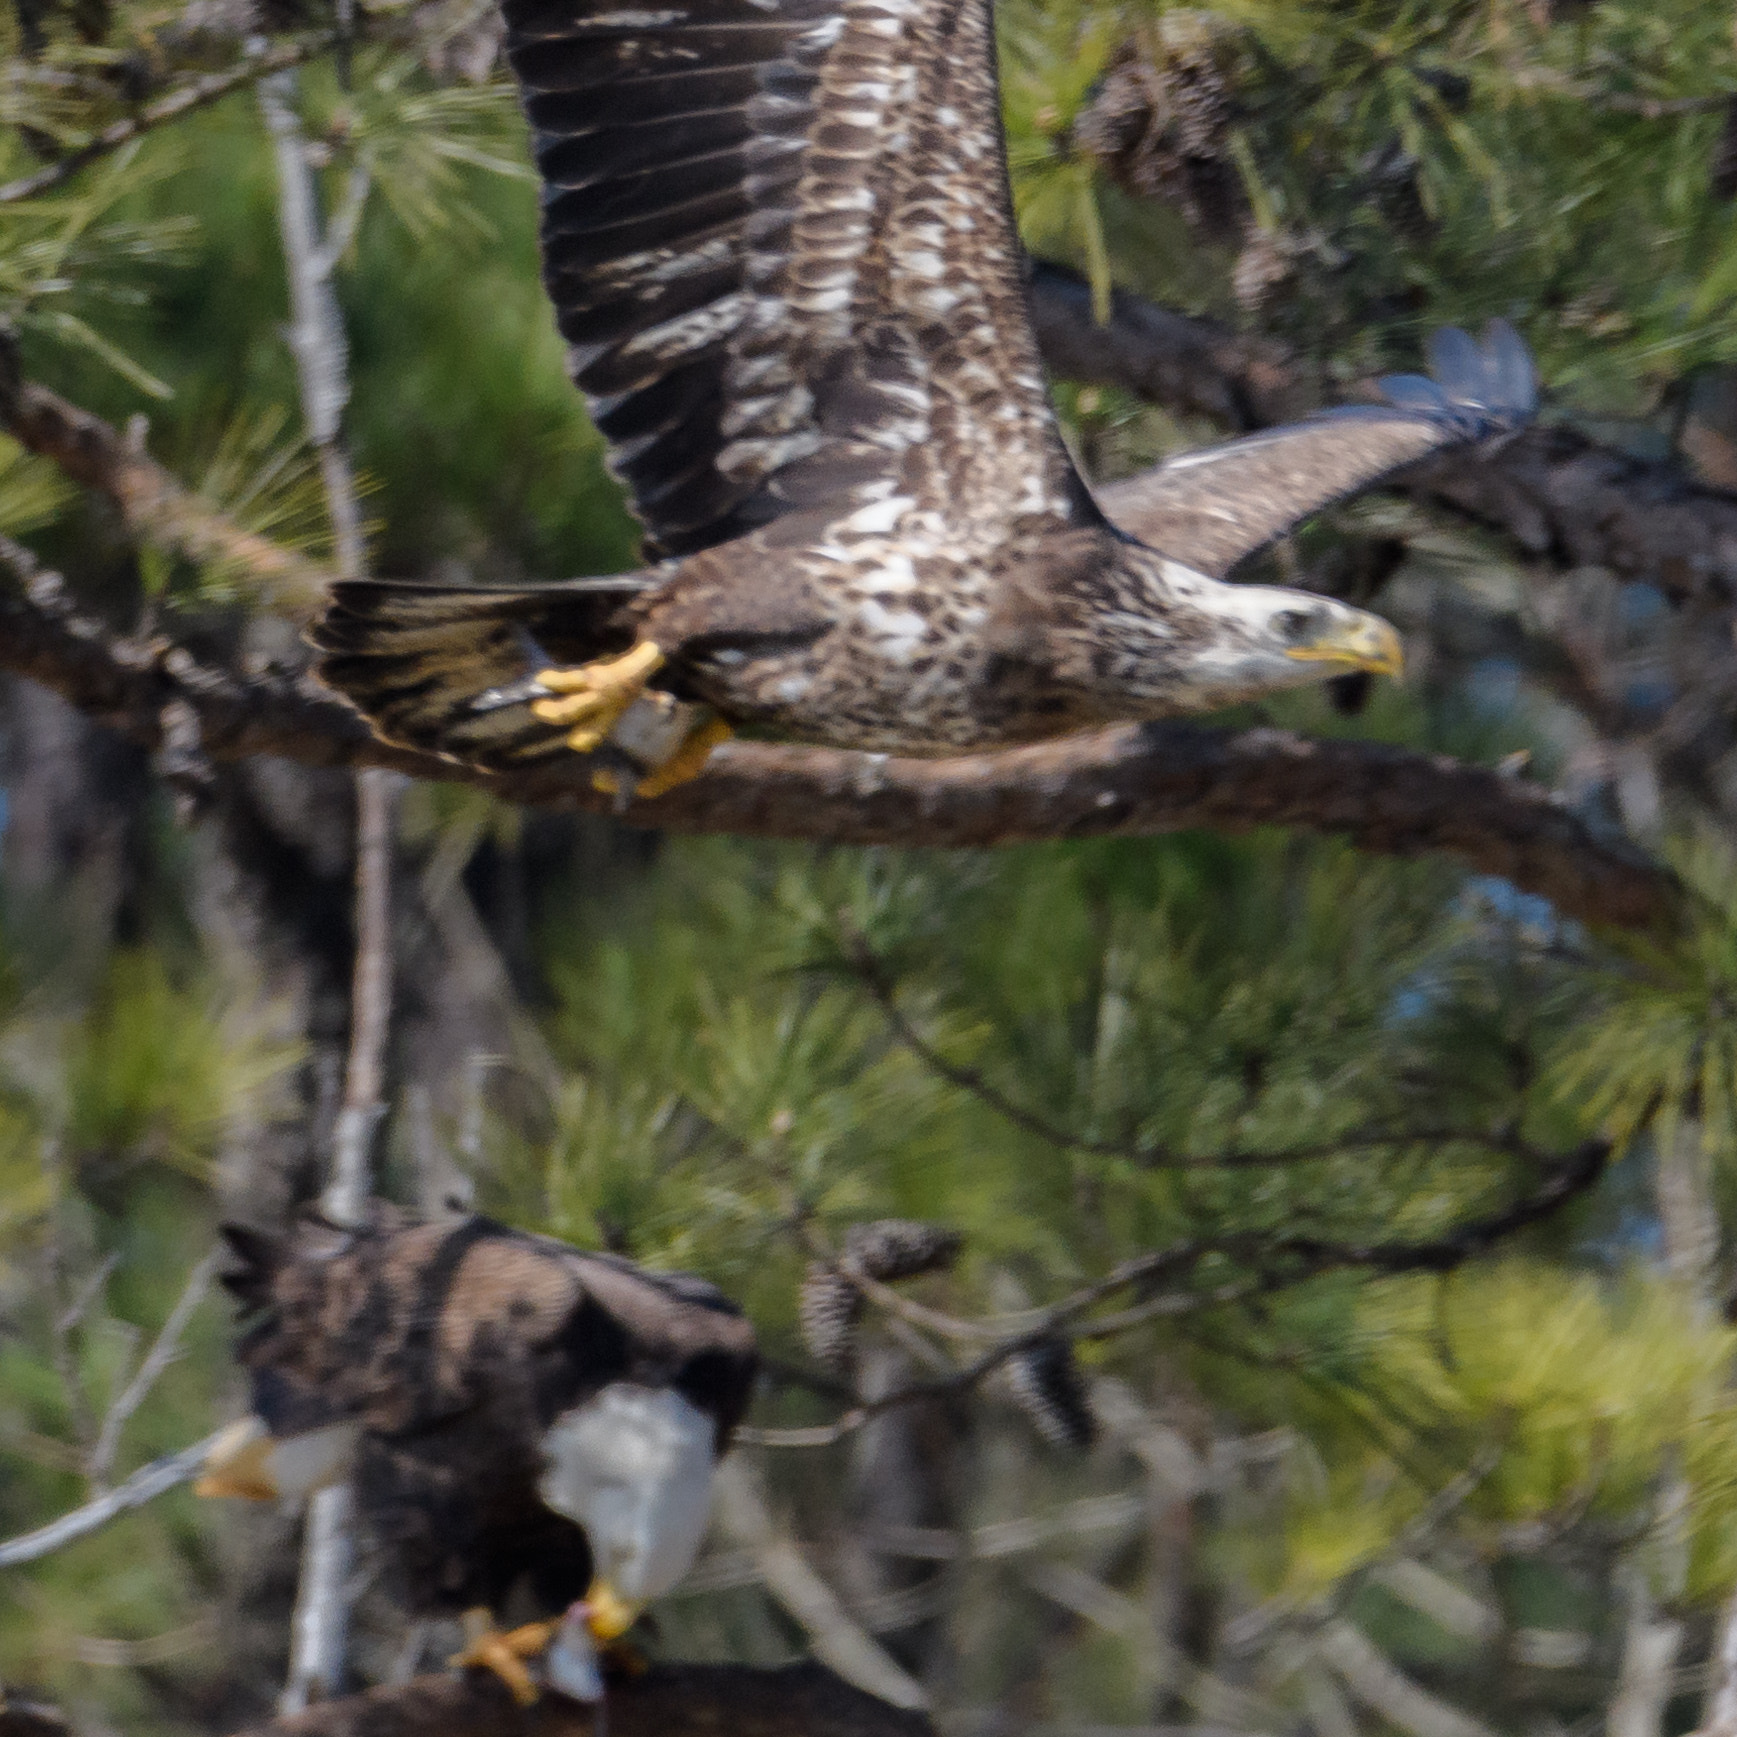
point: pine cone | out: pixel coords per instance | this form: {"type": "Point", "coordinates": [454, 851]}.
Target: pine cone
{"type": "Point", "coordinates": [827, 1310]}
{"type": "Point", "coordinates": [1046, 1385]}
{"type": "Point", "coordinates": [1265, 263]}
{"type": "Point", "coordinates": [1161, 125]}
{"type": "Point", "coordinates": [891, 1249]}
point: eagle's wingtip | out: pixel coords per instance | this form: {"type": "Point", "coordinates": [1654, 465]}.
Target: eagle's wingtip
{"type": "Point", "coordinates": [1490, 387]}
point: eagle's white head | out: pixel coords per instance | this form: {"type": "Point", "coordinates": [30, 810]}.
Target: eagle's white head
{"type": "Point", "coordinates": [1196, 643]}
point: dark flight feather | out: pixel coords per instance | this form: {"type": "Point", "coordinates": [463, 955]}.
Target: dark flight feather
{"type": "Point", "coordinates": [733, 253]}
{"type": "Point", "coordinates": [1216, 507]}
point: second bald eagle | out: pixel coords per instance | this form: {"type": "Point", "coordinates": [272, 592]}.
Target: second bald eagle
{"type": "Point", "coordinates": [518, 1418]}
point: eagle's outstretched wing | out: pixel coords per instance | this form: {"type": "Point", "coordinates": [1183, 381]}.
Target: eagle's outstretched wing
{"type": "Point", "coordinates": [778, 237]}
{"type": "Point", "coordinates": [1214, 508]}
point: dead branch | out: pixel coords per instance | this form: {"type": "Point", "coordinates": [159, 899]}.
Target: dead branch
{"type": "Point", "coordinates": [147, 1483]}
{"type": "Point", "coordinates": [155, 505]}
{"type": "Point", "coordinates": [1132, 780]}
{"type": "Point", "coordinates": [196, 94]}
{"type": "Point", "coordinates": [803, 1700]}
{"type": "Point", "coordinates": [1187, 363]}
{"type": "Point", "coordinates": [347, 1192]}
{"type": "Point", "coordinates": [163, 1351]}
{"type": "Point", "coordinates": [792, 1581]}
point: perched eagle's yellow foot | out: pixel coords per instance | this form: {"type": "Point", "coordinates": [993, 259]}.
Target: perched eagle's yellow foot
{"type": "Point", "coordinates": [488, 1649]}
{"type": "Point", "coordinates": [590, 1639]}
{"type": "Point", "coordinates": [592, 697]}
{"type": "Point", "coordinates": [688, 761]}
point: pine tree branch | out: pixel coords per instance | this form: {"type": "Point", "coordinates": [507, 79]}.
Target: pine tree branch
{"type": "Point", "coordinates": [199, 93]}
{"type": "Point", "coordinates": [1263, 1264]}
{"type": "Point", "coordinates": [319, 1632]}
{"type": "Point", "coordinates": [1128, 781]}
{"type": "Point", "coordinates": [154, 503]}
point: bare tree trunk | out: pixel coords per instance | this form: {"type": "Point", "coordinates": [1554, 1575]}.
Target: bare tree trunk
{"type": "Point", "coordinates": [346, 1195]}
{"type": "Point", "coordinates": [1649, 1654]}
{"type": "Point", "coordinates": [1719, 1714]}
{"type": "Point", "coordinates": [318, 1635]}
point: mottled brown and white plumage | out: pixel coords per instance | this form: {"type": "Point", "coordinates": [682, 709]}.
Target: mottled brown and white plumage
{"type": "Point", "coordinates": [778, 237]}
{"type": "Point", "coordinates": [517, 1418]}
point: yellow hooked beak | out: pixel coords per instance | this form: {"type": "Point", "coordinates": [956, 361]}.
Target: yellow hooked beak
{"type": "Point", "coordinates": [239, 1464]}
{"type": "Point", "coordinates": [608, 1614]}
{"type": "Point", "coordinates": [1367, 644]}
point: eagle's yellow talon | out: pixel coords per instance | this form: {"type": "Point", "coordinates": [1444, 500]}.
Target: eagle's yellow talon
{"type": "Point", "coordinates": [605, 674]}
{"type": "Point", "coordinates": [570, 709]}
{"type": "Point", "coordinates": [607, 1614]}
{"type": "Point", "coordinates": [593, 696]}
{"type": "Point", "coordinates": [504, 1654]}
{"type": "Point", "coordinates": [687, 762]}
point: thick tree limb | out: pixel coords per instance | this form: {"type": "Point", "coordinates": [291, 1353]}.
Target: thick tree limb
{"type": "Point", "coordinates": [668, 1701]}
{"type": "Point", "coordinates": [1186, 363]}
{"type": "Point", "coordinates": [1560, 496]}
{"type": "Point", "coordinates": [156, 506]}
{"type": "Point", "coordinates": [1128, 781]}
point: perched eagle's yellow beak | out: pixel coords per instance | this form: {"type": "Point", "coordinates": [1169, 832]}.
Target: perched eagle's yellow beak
{"type": "Point", "coordinates": [608, 1614]}
{"type": "Point", "coordinates": [239, 1464]}
{"type": "Point", "coordinates": [1369, 643]}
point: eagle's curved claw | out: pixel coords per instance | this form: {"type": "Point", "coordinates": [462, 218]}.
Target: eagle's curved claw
{"type": "Point", "coordinates": [488, 1649]}
{"type": "Point", "coordinates": [593, 696]}
{"type": "Point", "coordinates": [688, 761]}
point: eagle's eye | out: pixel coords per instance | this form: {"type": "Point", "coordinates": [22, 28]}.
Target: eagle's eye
{"type": "Point", "coordinates": [1294, 625]}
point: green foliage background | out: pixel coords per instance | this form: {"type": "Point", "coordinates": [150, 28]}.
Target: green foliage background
{"type": "Point", "coordinates": [1548, 1428]}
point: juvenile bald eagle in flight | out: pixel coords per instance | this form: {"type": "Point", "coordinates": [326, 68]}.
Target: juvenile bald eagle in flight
{"type": "Point", "coordinates": [519, 1420]}
{"type": "Point", "coordinates": [779, 240]}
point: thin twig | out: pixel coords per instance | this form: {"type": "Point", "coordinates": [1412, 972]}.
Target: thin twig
{"type": "Point", "coordinates": [145, 1484]}
{"type": "Point", "coordinates": [156, 1360]}
{"type": "Point", "coordinates": [197, 95]}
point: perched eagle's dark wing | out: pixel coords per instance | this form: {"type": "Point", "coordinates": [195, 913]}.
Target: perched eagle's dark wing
{"type": "Point", "coordinates": [1214, 508]}
{"type": "Point", "coordinates": [778, 237]}
{"type": "Point", "coordinates": [404, 1327]}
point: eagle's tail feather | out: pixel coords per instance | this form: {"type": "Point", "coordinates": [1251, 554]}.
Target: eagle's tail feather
{"type": "Point", "coordinates": [452, 670]}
